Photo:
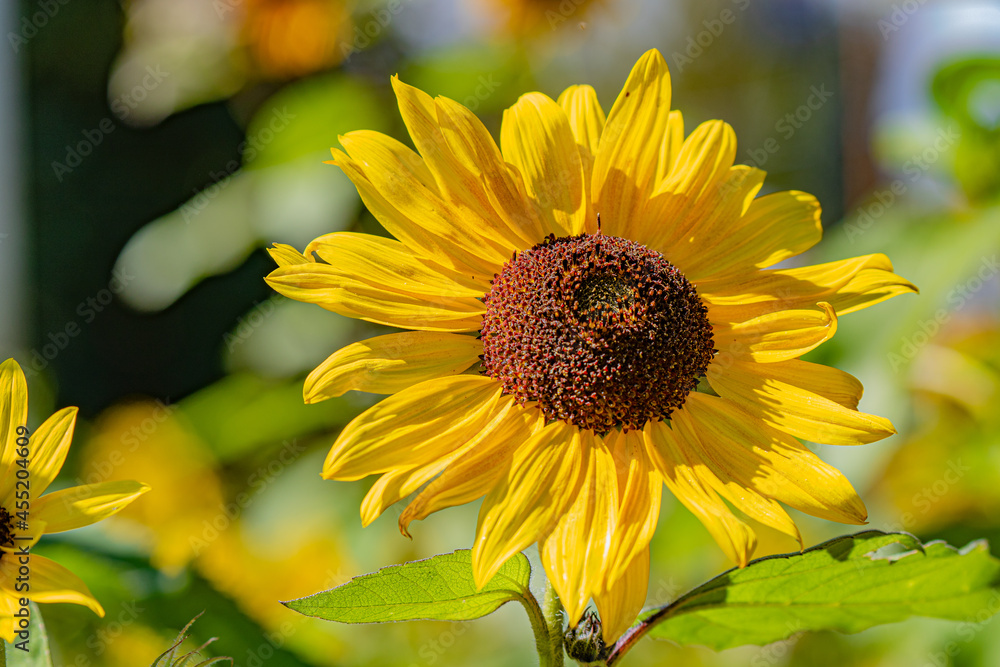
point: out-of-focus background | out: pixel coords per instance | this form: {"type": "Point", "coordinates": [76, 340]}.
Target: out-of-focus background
{"type": "Point", "coordinates": [153, 148]}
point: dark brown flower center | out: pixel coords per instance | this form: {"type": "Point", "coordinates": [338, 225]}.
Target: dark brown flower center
{"type": "Point", "coordinates": [601, 331]}
{"type": "Point", "coordinates": [6, 529]}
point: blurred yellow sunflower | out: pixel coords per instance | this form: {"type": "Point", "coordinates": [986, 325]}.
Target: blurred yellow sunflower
{"type": "Point", "coordinates": [590, 316]}
{"type": "Point", "coordinates": [25, 514]}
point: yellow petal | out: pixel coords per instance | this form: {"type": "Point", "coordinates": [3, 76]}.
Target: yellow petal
{"type": "Point", "coordinates": [778, 336]}
{"type": "Point", "coordinates": [544, 479]}
{"type": "Point", "coordinates": [397, 484]}
{"type": "Point", "coordinates": [775, 227]}
{"type": "Point", "coordinates": [695, 254]}
{"type": "Point", "coordinates": [366, 298]}
{"type": "Point", "coordinates": [462, 157]}
{"type": "Point", "coordinates": [724, 467]}
{"type": "Point", "coordinates": [625, 166]}
{"type": "Point", "coordinates": [536, 138]}
{"type": "Point", "coordinates": [690, 193]}
{"type": "Point", "coordinates": [49, 445]}
{"type": "Point", "coordinates": [620, 602]}
{"type": "Point", "coordinates": [735, 537]}
{"type": "Point", "coordinates": [497, 188]}
{"type": "Point", "coordinates": [51, 582]}
{"type": "Point", "coordinates": [8, 607]}
{"type": "Point", "coordinates": [13, 414]}
{"type": "Point", "coordinates": [670, 147]}
{"type": "Point", "coordinates": [390, 264]}
{"type": "Point", "coordinates": [413, 427]}
{"type": "Point", "coordinates": [773, 464]}
{"type": "Point", "coordinates": [286, 255]}
{"type": "Point", "coordinates": [78, 506]}
{"type": "Point", "coordinates": [791, 407]}
{"type": "Point", "coordinates": [472, 475]}
{"type": "Point", "coordinates": [640, 488]}
{"type": "Point", "coordinates": [389, 179]}
{"type": "Point", "coordinates": [586, 119]}
{"type": "Point", "coordinates": [575, 551]}
{"type": "Point", "coordinates": [391, 363]}
{"type": "Point", "coordinates": [830, 383]}
{"type": "Point", "coordinates": [848, 285]}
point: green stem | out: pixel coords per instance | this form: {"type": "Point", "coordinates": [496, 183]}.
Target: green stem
{"type": "Point", "coordinates": [3, 653]}
{"type": "Point", "coordinates": [540, 627]}
{"type": "Point", "coordinates": [554, 620]}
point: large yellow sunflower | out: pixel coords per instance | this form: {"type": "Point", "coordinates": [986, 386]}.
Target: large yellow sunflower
{"type": "Point", "coordinates": [590, 316]}
{"type": "Point", "coordinates": [26, 514]}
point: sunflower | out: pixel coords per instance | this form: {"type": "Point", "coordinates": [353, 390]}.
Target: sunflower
{"type": "Point", "coordinates": [23, 523]}
{"type": "Point", "coordinates": [590, 316]}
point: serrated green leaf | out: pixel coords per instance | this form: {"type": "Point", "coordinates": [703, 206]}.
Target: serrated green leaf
{"type": "Point", "coordinates": [838, 585]}
{"type": "Point", "coordinates": [38, 654]}
{"type": "Point", "coordinates": [438, 588]}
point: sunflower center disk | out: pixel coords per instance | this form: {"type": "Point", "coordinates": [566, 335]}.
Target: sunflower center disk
{"type": "Point", "coordinates": [601, 331]}
{"type": "Point", "coordinates": [6, 529]}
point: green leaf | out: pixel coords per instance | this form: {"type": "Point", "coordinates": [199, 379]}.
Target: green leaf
{"type": "Point", "coordinates": [838, 585]}
{"type": "Point", "coordinates": [38, 654]}
{"type": "Point", "coordinates": [438, 588]}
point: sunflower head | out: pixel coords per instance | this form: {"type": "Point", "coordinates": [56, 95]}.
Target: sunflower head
{"type": "Point", "coordinates": [562, 295]}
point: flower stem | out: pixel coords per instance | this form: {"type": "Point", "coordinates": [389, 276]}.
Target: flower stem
{"type": "Point", "coordinates": [554, 621]}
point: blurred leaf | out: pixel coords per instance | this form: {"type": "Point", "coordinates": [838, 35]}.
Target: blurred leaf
{"type": "Point", "coordinates": [486, 79]}
{"type": "Point", "coordinates": [37, 644]}
{"type": "Point", "coordinates": [837, 585]}
{"type": "Point", "coordinates": [438, 588]}
{"type": "Point", "coordinates": [305, 119]}
{"type": "Point", "coordinates": [969, 92]}
{"type": "Point", "coordinates": [242, 413]}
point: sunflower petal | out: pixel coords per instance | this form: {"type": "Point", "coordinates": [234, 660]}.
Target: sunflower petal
{"type": "Point", "coordinates": [848, 285]}
{"type": "Point", "coordinates": [388, 364]}
{"type": "Point", "coordinates": [364, 297]}
{"type": "Point", "coordinates": [500, 193]}
{"type": "Point", "coordinates": [390, 264]}
{"type": "Point", "coordinates": [413, 427]}
{"type": "Point", "coordinates": [397, 484]}
{"type": "Point", "coordinates": [830, 383]}
{"type": "Point", "coordinates": [792, 408]}
{"type": "Point", "coordinates": [620, 602]}
{"type": "Point", "coordinates": [286, 255]}
{"type": "Point", "coordinates": [712, 459]}
{"type": "Point", "coordinates": [78, 506]}
{"type": "Point", "coordinates": [543, 481]}
{"type": "Point", "coordinates": [51, 582]}
{"type": "Point", "coordinates": [775, 227]}
{"type": "Point", "coordinates": [537, 139]}
{"type": "Point", "coordinates": [391, 181]}
{"type": "Point", "coordinates": [776, 336]}
{"type": "Point", "coordinates": [735, 537]}
{"type": "Point", "coordinates": [586, 119]}
{"type": "Point", "coordinates": [640, 488]}
{"type": "Point", "coordinates": [774, 465]}
{"type": "Point", "coordinates": [625, 166]}
{"type": "Point", "coordinates": [695, 254]}
{"type": "Point", "coordinates": [472, 474]}
{"type": "Point", "coordinates": [13, 414]}
{"type": "Point", "coordinates": [690, 193]}
{"type": "Point", "coordinates": [49, 446]}
{"type": "Point", "coordinates": [574, 552]}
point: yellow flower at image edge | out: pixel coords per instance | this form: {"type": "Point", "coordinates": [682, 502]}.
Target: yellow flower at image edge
{"type": "Point", "coordinates": [55, 512]}
{"type": "Point", "coordinates": [591, 316]}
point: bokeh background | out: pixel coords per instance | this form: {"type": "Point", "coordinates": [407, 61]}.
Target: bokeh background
{"type": "Point", "coordinates": [153, 148]}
